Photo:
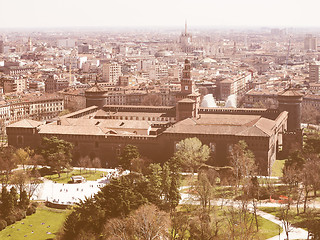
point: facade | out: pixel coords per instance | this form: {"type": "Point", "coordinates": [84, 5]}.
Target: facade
{"type": "Point", "coordinates": [53, 84]}
{"type": "Point", "coordinates": [314, 72]}
{"type": "Point", "coordinates": [310, 43]}
{"type": "Point", "coordinates": [102, 130]}
{"type": "Point", "coordinates": [237, 85]}
{"type": "Point", "coordinates": [1, 47]}
{"type": "Point", "coordinates": [37, 108]}
{"type": "Point", "coordinates": [17, 85]}
{"type": "Point", "coordinates": [111, 72]}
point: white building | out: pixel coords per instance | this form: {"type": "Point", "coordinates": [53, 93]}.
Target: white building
{"type": "Point", "coordinates": [111, 72]}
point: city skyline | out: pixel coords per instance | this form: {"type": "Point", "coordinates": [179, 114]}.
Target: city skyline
{"type": "Point", "coordinates": [142, 13]}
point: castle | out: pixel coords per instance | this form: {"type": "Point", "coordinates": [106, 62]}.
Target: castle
{"type": "Point", "coordinates": [104, 130]}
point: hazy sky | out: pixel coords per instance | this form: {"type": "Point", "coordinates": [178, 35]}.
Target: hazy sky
{"type": "Point", "coordinates": [65, 13]}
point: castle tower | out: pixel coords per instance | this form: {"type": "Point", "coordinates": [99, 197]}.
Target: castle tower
{"type": "Point", "coordinates": [290, 101]}
{"type": "Point", "coordinates": [186, 81]}
{"type": "Point", "coordinates": [188, 100]}
{"type": "Point", "coordinates": [95, 96]}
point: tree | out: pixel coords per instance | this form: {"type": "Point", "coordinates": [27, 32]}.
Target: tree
{"type": "Point", "coordinates": [129, 153]}
{"type": "Point", "coordinates": [140, 165]}
{"type": "Point", "coordinates": [87, 217]}
{"type": "Point", "coordinates": [165, 182]}
{"type": "Point", "coordinates": [96, 163]}
{"type": "Point", "coordinates": [242, 160]}
{"type": "Point", "coordinates": [204, 190]}
{"type": "Point", "coordinates": [118, 228]}
{"type": "Point", "coordinates": [14, 196]}
{"type": "Point", "coordinates": [84, 162]}
{"type": "Point", "coordinates": [154, 183]}
{"type": "Point", "coordinates": [201, 227]}
{"type": "Point", "coordinates": [309, 114]}
{"type": "Point", "coordinates": [175, 180]}
{"type": "Point", "coordinates": [150, 223]}
{"type": "Point", "coordinates": [57, 153]}
{"type": "Point", "coordinates": [20, 180]}
{"type": "Point", "coordinates": [191, 153]}
{"type": "Point", "coordinates": [146, 223]}
{"type": "Point", "coordinates": [22, 157]}
{"type": "Point", "coordinates": [180, 222]}
{"type": "Point", "coordinates": [7, 202]}
{"type": "Point", "coordinates": [7, 163]}
{"type": "Point", "coordinates": [24, 200]}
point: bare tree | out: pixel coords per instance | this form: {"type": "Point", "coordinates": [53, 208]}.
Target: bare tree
{"type": "Point", "coordinates": [118, 229]}
{"type": "Point", "coordinates": [146, 223]}
{"type": "Point", "coordinates": [96, 163]}
{"type": "Point", "coordinates": [151, 223]}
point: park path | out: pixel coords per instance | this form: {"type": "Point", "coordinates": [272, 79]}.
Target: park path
{"type": "Point", "coordinates": [295, 233]}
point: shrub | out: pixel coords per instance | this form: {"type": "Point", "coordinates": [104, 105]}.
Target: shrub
{"type": "Point", "coordinates": [45, 171]}
{"type": "Point", "coordinates": [3, 224]}
{"type": "Point", "coordinates": [35, 204]}
{"type": "Point", "coordinates": [10, 219]}
{"type": "Point", "coordinates": [19, 214]}
{"type": "Point", "coordinates": [31, 210]}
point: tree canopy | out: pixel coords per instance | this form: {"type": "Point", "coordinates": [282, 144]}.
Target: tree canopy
{"type": "Point", "coordinates": [191, 153]}
{"type": "Point", "coordinates": [129, 153]}
{"type": "Point", "coordinates": [57, 153]}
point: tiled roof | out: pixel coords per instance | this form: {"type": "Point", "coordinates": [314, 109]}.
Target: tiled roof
{"type": "Point", "coordinates": [225, 124]}
{"type": "Point", "coordinates": [26, 123]}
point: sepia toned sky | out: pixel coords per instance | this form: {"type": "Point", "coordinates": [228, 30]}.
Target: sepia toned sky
{"type": "Point", "coordinates": [146, 13]}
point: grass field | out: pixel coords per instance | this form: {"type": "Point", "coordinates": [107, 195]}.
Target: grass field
{"type": "Point", "coordinates": [267, 229]}
{"type": "Point", "coordinates": [65, 178]}
{"type": "Point", "coordinates": [277, 168]}
{"type": "Point", "coordinates": [44, 223]}
{"type": "Point", "coordinates": [296, 220]}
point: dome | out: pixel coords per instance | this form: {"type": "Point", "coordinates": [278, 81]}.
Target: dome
{"type": "Point", "coordinates": [162, 53]}
{"type": "Point", "coordinates": [208, 101]}
{"type": "Point", "coordinates": [208, 60]}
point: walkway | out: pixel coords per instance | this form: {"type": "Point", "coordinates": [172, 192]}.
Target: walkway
{"type": "Point", "coordinates": [295, 233]}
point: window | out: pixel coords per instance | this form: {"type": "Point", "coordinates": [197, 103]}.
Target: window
{"type": "Point", "coordinates": [186, 88]}
{"type": "Point", "coordinates": [212, 147]}
{"type": "Point", "coordinates": [19, 140]}
{"type": "Point", "coordinates": [118, 152]}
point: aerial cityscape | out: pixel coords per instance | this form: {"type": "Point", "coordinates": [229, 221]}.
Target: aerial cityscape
{"type": "Point", "coordinates": [159, 120]}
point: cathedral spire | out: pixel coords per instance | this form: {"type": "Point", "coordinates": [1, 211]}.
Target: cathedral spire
{"type": "Point", "coordinates": [185, 27]}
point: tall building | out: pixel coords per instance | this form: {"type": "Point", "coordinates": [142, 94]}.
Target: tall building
{"type": "Point", "coordinates": [314, 73]}
{"type": "Point", "coordinates": [1, 46]}
{"type": "Point", "coordinates": [29, 46]}
{"type": "Point", "coordinates": [111, 72]}
{"type": "Point", "coordinates": [310, 43]}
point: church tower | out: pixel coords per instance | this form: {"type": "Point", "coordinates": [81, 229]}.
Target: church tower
{"type": "Point", "coordinates": [188, 100]}
{"type": "Point", "coordinates": [29, 47]}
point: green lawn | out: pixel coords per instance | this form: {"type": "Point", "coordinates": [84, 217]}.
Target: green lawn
{"type": "Point", "coordinates": [65, 177]}
{"type": "Point", "coordinates": [297, 220]}
{"type": "Point", "coordinates": [277, 168]}
{"type": "Point", "coordinates": [52, 218]}
{"type": "Point", "coordinates": [267, 229]}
